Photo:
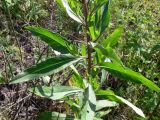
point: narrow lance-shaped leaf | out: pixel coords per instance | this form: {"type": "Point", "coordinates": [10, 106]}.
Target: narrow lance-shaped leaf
{"type": "Point", "coordinates": [105, 17]}
{"type": "Point", "coordinates": [70, 12]}
{"type": "Point", "coordinates": [105, 103]}
{"type": "Point", "coordinates": [48, 67]}
{"type": "Point", "coordinates": [137, 110]}
{"type": "Point", "coordinates": [54, 40]}
{"type": "Point", "coordinates": [99, 18]}
{"type": "Point", "coordinates": [108, 94]}
{"type": "Point", "coordinates": [128, 74]}
{"type": "Point", "coordinates": [99, 4]}
{"type": "Point", "coordinates": [55, 92]}
{"type": "Point", "coordinates": [112, 39]}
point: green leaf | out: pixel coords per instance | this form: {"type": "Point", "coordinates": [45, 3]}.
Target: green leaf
{"type": "Point", "coordinates": [103, 76]}
{"type": "Point", "coordinates": [70, 12]}
{"type": "Point", "coordinates": [105, 17]}
{"type": "Point", "coordinates": [88, 110]}
{"type": "Point", "coordinates": [54, 116]}
{"type": "Point", "coordinates": [112, 39]}
{"type": "Point", "coordinates": [73, 106]}
{"type": "Point", "coordinates": [83, 50]}
{"type": "Point", "coordinates": [98, 19]}
{"type": "Point", "coordinates": [55, 92]}
{"type": "Point", "coordinates": [101, 114]}
{"type": "Point", "coordinates": [105, 103]}
{"type": "Point", "coordinates": [137, 110]}
{"type": "Point", "coordinates": [108, 52]}
{"type": "Point", "coordinates": [59, 2]}
{"type": "Point", "coordinates": [98, 5]}
{"type": "Point", "coordinates": [128, 74]}
{"type": "Point", "coordinates": [77, 80]}
{"type": "Point", "coordinates": [54, 40]}
{"type": "Point", "coordinates": [108, 94]}
{"type": "Point", "coordinates": [48, 67]}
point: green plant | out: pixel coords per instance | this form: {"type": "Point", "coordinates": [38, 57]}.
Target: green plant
{"type": "Point", "coordinates": [86, 99]}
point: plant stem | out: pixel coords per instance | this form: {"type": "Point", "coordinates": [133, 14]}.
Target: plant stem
{"type": "Point", "coordinates": [85, 12]}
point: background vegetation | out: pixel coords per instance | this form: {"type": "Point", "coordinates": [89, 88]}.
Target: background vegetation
{"type": "Point", "coordinates": [138, 48]}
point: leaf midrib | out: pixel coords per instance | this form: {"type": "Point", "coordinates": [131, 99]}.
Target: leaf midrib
{"type": "Point", "coordinates": [51, 65]}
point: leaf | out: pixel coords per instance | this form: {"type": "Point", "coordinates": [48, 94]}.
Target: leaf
{"type": "Point", "coordinates": [103, 76]}
{"type": "Point", "coordinates": [73, 106]}
{"type": "Point", "coordinates": [70, 12]}
{"type": "Point", "coordinates": [105, 17]}
{"type": "Point", "coordinates": [88, 110]}
{"type": "Point", "coordinates": [99, 19]}
{"type": "Point", "coordinates": [128, 74]}
{"type": "Point", "coordinates": [111, 96]}
{"type": "Point", "coordinates": [108, 52]}
{"type": "Point", "coordinates": [76, 80]}
{"type": "Point", "coordinates": [48, 67]}
{"type": "Point", "coordinates": [101, 114]}
{"type": "Point", "coordinates": [98, 5]}
{"type": "Point", "coordinates": [55, 92]}
{"type": "Point", "coordinates": [54, 116]}
{"type": "Point", "coordinates": [54, 40]}
{"type": "Point", "coordinates": [83, 50]}
{"type": "Point", "coordinates": [107, 94]}
{"type": "Point", "coordinates": [137, 110]}
{"type": "Point", "coordinates": [105, 103]}
{"type": "Point", "coordinates": [112, 39]}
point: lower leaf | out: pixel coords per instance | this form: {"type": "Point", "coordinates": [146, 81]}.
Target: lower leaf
{"type": "Point", "coordinates": [55, 92]}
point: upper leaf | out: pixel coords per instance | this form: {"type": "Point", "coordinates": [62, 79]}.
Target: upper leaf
{"type": "Point", "coordinates": [48, 67]}
{"type": "Point", "coordinates": [105, 17]}
{"type": "Point", "coordinates": [113, 38]}
{"type": "Point", "coordinates": [54, 40]}
{"type": "Point", "coordinates": [99, 18]}
{"type": "Point", "coordinates": [70, 12]}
